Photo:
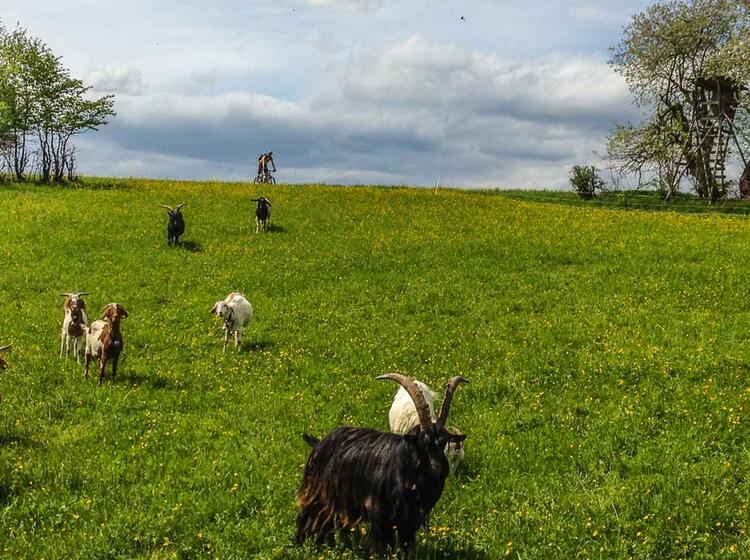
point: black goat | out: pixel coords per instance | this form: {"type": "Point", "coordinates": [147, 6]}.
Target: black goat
{"type": "Point", "coordinates": [262, 213]}
{"type": "Point", "coordinates": [391, 481]}
{"type": "Point", "coordinates": [176, 225]}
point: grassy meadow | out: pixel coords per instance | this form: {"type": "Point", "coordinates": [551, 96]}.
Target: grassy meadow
{"type": "Point", "coordinates": [608, 353]}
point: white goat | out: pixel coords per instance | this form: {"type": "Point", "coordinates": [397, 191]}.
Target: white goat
{"type": "Point", "coordinates": [237, 313]}
{"type": "Point", "coordinates": [403, 417]}
{"type": "Point", "coordinates": [74, 323]}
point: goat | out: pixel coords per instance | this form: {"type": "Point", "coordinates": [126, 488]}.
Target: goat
{"type": "Point", "coordinates": [262, 213]}
{"type": "Point", "coordinates": [176, 224]}
{"type": "Point", "coordinates": [104, 340]}
{"type": "Point", "coordinates": [402, 418]}
{"type": "Point", "coordinates": [74, 323]}
{"type": "Point", "coordinates": [391, 481]}
{"type": "Point", "coordinates": [3, 363]}
{"type": "Point", "coordinates": [237, 313]}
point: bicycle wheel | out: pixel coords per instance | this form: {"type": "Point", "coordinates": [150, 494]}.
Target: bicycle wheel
{"type": "Point", "coordinates": [270, 180]}
{"type": "Point", "coordinates": [258, 179]}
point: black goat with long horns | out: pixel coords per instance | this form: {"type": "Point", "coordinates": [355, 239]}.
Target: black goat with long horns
{"type": "Point", "coordinates": [391, 481]}
{"type": "Point", "coordinates": [176, 224]}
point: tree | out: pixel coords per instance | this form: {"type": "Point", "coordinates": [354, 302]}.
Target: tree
{"type": "Point", "coordinates": [687, 62]}
{"type": "Point", "coordinates": [42, 107]}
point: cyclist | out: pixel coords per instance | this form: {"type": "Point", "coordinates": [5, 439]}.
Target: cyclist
{"type": "Point", "coordinates": [263, 161]}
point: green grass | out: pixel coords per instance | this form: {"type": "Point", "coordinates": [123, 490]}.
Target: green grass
{"type": "Point", "coordinates": [608, 352]}
{"type": "Point", "coordinates": [636, 200]}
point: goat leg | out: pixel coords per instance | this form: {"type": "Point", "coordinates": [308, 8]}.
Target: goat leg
{"type": "Point", "coordinates": [86, 369]}
{"type": "Point", "coordinates": [75, 350]}
{"type": "Point", "coordinates": [101, 372]}
{"type": "Point", "coordinates": [115, 359]}
{"type": "Point", "coordinates": [62, 343]}
{"type": "Point", "coordinates": [238, 339]}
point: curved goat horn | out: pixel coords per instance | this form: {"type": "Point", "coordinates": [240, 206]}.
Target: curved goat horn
{"type": "Point", "coordinates": [423, 410]}
{"type": "Point", "coordinates": [81, 293]}
{"type": "Point", "coordinates": [169, 208]}
{"type": "Point", "coordinates": [446, 406]}
{"type": "Point", "coordinates": [4, 348]}
{"type": "Point", "coordinates": [67, 294]}
{"type": "Point", "coordinates": [180, 207]}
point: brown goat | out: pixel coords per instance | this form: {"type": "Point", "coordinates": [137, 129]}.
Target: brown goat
{"type": "Point", "coordinates": [104, 340]}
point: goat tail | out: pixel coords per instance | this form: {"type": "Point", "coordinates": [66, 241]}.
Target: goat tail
{"type": "Point", "coordinates": [312, 441]}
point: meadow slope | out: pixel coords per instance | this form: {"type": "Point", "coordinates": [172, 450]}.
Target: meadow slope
{"type": "Point", "coordinates": [608, 354]}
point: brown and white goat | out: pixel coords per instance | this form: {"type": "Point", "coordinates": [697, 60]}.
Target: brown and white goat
{"type": "Point", "coordinates": [74, 323]}
{"type": "Point", "coordinates": [104, 340]}
{"type": "Point", "coordinates": [3, 363]}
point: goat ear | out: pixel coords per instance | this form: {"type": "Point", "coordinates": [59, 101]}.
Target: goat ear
{"type": "Point", "coordinates": [213, 309]}
{"type": "Point", "coordinates": [312, 441]}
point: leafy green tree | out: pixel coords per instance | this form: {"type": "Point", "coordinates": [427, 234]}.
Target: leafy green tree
{"type": "Point", "coordinates": [42, 107]}
{"type": "Point", "coordinates": [687, 62]}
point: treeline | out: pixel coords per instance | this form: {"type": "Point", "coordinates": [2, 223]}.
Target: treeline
{"type": "Point", "coordinates": [41, 109]}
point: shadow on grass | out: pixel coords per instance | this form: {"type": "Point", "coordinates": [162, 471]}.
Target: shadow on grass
{"type": "Point", "coordinates": [448, 551]}
{"type": "Point", "coordinates": [273, 228]}
{"type": "Point", "coordinates": [466, 472]}
{"type": "Point", "coordinates": [258, 345]}
{"type": "Point", "coordinates": [12, 440]}
{"type": "Point", "coordinates": [191, 246]}
{"type": "Point", "coordinates": [153, 381]}
{"type": "Point", "coordinates": [355, 544]}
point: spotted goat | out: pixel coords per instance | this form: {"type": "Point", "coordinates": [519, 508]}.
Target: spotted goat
{"type": "Point", "coordinates": [75, 323]}
{"type": "Point", "coordinates": [104, 340]}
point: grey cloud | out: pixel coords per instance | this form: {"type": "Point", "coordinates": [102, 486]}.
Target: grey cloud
{"type": "Point", "coordinates": [109, 79]}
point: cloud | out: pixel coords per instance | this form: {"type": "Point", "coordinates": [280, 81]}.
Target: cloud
{"type": "Point", "coordinates": [109, 79]}
{"type": "Point", "coordinates": [416, 111]}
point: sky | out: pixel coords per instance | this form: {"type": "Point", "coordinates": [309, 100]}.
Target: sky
{"type": "Point", "coordinates": [484, 93]}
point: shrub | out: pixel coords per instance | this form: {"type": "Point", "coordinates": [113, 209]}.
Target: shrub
{"type": "Point", "coordinates": [585, 180]}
